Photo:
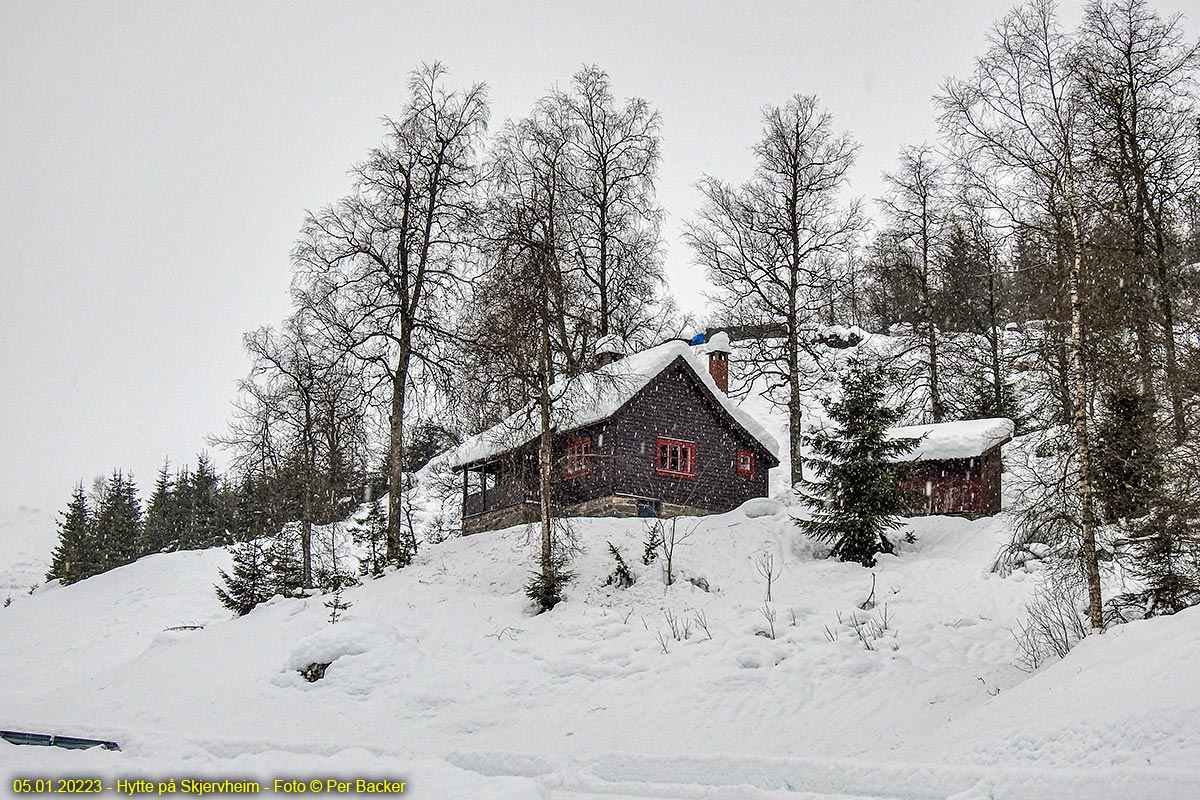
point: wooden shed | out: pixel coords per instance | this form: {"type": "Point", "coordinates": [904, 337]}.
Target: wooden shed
{"type": "Point", "coordinates": [958, 467]}
{"type": "Point", "coordinates": [650, 434]}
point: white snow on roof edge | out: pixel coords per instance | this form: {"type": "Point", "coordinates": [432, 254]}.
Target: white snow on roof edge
{"type": "Point", "coordinates": [962, 439]}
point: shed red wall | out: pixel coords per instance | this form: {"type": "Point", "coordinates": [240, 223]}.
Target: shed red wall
{"type": "Point", "coordinates": [957, 486]}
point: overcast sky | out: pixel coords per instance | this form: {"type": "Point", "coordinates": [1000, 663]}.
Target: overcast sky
{"type": "Point", "coordinates": [156, 160]}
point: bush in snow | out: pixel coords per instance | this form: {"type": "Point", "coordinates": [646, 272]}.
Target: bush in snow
{"type": "Point", "coordinates": [620, 577]}
{"type": "Point", "coordinates": [661, 539]}
{"type": "Point", "coordinates": [314, 671]}
{"type": "Point", "coordinates": [858, 498]}
{"type": "Point", "coordinates": [1056, 623]}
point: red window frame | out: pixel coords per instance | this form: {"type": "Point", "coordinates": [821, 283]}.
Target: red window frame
{"type": "Point", "coordinates": [675, 458]}
{"type": "Point", "coordinates": [578, 457]}
{"type": "Point", "coordinates": [743, 463]}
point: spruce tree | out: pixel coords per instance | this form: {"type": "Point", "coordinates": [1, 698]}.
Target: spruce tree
{"type": "Point", "coordinates": [205, 530]}
{"type": "Point", "coordinates": [160, 531]}
{"type": "Point", "coordinates": [251, 582]}
{"type": "Point", "coordinates": [1166, 560]}
{"type": "Point", "coordinates": [370, 534]}
{"type": "Point", "coordinates": [1128, 468]}
{"type": "Point", "coordinates": [118, 526]}
{"type": "Point", "coordinates": [858, 497]}
{"type": "Point", "coordinates": [1163, 546]}
{"type": "Point", "coordinates": [74, 558]}
{"type": "Point", "coordinates": [283, 563]}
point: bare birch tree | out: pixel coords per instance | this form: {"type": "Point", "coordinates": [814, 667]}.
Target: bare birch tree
{"type": "Point", "coordinates": [763, 243]}
{"type": "Point", "coordinates": [915, 208]}
{"type": "Point", "coordinates": [1020, 112]}
{"type": "Point", "coordinates": [613, 232]}
{"type": "Point", "coordinates": [381, 267]}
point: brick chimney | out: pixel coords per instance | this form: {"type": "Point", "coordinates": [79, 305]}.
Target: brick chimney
{"type": "Point", "coordinates": [718, 359]}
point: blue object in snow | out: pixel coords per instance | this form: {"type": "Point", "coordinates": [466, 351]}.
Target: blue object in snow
{"type": "Point", "coordinates": [697, 339]}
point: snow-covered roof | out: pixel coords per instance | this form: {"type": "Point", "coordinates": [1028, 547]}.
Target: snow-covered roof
{"type": "Point", "coordinates": [598, 395]}
{"type": "Point", "coordinates": [963, 439]}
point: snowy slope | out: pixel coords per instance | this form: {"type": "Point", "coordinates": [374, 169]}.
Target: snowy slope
{"type": "Point", "coordinates": [27, 537]}
{"type": "Point", "coordinates": [441, 674]}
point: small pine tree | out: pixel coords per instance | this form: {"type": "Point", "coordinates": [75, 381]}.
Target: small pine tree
{"type": "Point", "coordinates": [859, 497]}
{"type": "Point", "coordinates": [546, 591]}
{"type": "Point", "coordinates": [1166, 560]}
{"type": "Point", "coordinates": [370, 533]}
{"type": "Point", "coordinates": [620, 577]}
{"type": "Point", "coordinates": [336, 606]}
{"type": "Point", "coordinates": [985, 405]}
{"type": "Point", "coordinates": [251, 582]}
{"type": "Point", "coordinates": [283, 564]}
{"type": "Point", "coordinates": [654, 542]}
{"type": "Point", "coordinates": [1163, 546]}
{"type": "Point", "coordinates": [74, 558]}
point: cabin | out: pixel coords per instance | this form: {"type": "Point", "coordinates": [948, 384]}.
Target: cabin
{"type": "Point", "coordinates": [650, 434]}
{"type": "Point", "coordinates": [958, 466]}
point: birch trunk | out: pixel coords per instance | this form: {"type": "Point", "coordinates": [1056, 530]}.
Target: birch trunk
{"type": "Point", "coordinates": [1091, 565]}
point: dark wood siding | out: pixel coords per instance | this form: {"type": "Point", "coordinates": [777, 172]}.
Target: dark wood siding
{"type": "Point", "coordinates": [969, 486]}
{"type": "Point", "coordinates": [677, 406]}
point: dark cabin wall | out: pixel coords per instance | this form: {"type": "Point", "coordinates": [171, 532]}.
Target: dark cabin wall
{"type": "Point", "coordinates": [677, 406]}
{"type": "Point", "coordinates": [968, 486]}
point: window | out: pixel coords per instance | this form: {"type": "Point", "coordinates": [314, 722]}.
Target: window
{"type": "Point", "coordinates": [482, 479]}
{"type": "Point", "coordinates": [675, 458]}
{"type": "Point", "coordinates": [744, 463]}
{"type": "Point", "coordinates": [578, 460]}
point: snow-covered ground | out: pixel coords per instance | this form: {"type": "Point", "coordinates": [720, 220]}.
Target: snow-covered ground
{"type": "Point", "coordinates": [27, 538]}
{"type": "Point", "coordinates": [441, 677]}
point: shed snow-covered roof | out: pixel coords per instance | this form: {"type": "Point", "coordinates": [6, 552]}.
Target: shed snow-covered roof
{"type": "Point", "coordinates": [598, 395]}
{"type": "Point", "coordinates": [962, 439]}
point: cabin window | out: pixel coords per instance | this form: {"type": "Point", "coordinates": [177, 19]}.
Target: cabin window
{"type": "Point", "coordinates": [744, 463]}
{"type": "Point", "coordinates": [675, 458]}
{"type": "Point", "coordinates": [481, 480]}
{"type": "Point", "coordinates": [578, 460]}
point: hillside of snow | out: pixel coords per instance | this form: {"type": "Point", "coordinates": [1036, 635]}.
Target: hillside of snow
{"type": "Point", "coordinates": [441, 676]}
{"type": "Point", "coordinates": [27, 539]}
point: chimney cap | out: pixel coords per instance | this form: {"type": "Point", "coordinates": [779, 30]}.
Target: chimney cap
{"type": "Point", "coordinates": [719, 343]}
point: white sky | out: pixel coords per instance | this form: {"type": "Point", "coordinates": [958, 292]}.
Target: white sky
{"type": "Point", "coordinates": [156, 160]}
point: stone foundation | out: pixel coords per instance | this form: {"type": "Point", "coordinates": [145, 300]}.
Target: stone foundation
{"type": "Point", "coordinates": [611, 506]}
